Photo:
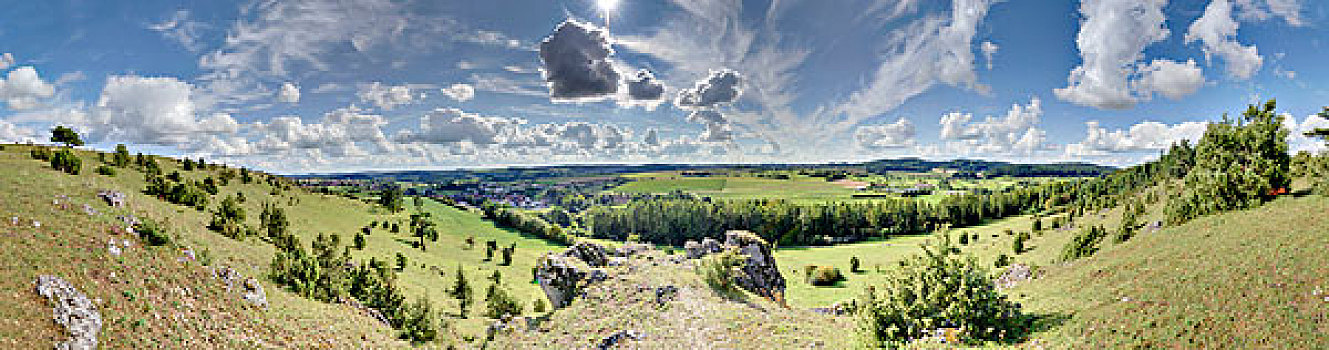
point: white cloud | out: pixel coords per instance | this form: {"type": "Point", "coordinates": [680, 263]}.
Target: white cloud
{"type": "Point", "coordinates": [504, 85]}
{"type": "Point", "coordinates": [289, 93]}
{"type": "Point", "coordinates": [10, 133]}
{"type": "Point", "coordinates": [988, 49]}
{"type": "Point", "coordinates": [1171, 79]}
{"type": "Point", "coordinates": [1297, 139]}
{"type": "Point", "coordinates": [451, 125]}
{"type": "Point", "coordinates": [717, 132]}
{"type": "Point", "coordinates": [1217, 31]}
{"type": "Point", "coordinates": [23, 88]}
{"type": "Point", "coordinates": [339, 134]}
{"type": "Point", "coordinates": [459, 92]}
{"type": "Point", "coordinates": [6, 60]}
{"type": "Point", "coordinates": [899, 134]}
{"type": "Point", "coordinates": [1259, 10]}
{"type": "Point", "coordinates": [577, 64]}
{"type": "Point", "coordinates": [935, 49]}
{"type": "Point", "coordinates": [1141, 137]}
{"type": "Point", "coordinates": [1112, 39]}
{"type": "Point", "coordinates": [1015, 133]}
{"type": "Point", "coordinates": [386, 96]}
{"type": "Point", "coordinates": [180, 29]}
{"type": "Point", "coordinates": [706, 116]}
{"type": "Point", "coordinates": [154, 110]}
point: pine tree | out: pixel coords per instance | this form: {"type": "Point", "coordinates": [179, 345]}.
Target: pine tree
{"type": "Point", "coordinates": [461, 291]}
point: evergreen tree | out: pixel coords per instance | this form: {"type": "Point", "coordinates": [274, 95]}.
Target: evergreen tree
{"type": "Point", "coordinates": [461, 290]}
{"type": "Point", "coordinates": [121, 158]}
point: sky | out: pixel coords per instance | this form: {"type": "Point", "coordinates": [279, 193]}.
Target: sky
{"type": "Point", "coordinates": [316, 86]}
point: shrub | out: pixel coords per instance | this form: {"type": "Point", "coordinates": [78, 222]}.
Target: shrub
{"type": "Point", "coordinates": [1083, 244]}
{"type": "Point", "coordinates": [105, 170]}
{"type": "Point", "coordinates": [964, 239]}
{"type": "Point", "coordinates": [421, 323]}
{"type": "Point", "coordinates": [1002, 260]}
{"type": "Point", "coordinates": [854, 265]}
{"type": "Point", "coordinates": [539, 305]}
{"type": "Point", "coordinates": [359, 241]}
{"type": "Point", "coordinates": [498, 303]}
{"type": "Point", "coordinates": [824, 276]}
{"type": "Point", "coordinates": [401, 262]}
{"type": "Point", "coordinates": [490, 246]}
{"type": "Point", "coordinates": [65, 160]}
{"type": "Point", "coordinates": [1018, 245]}
{"type": "Point", "coordinates": [718, 270]}
{"type": "Point", "coordinates": [229, 219]}
{"type": "Point", "coordinates": [40, 153]}
{"type": "Point", "coordinates": [506, 255]}
{"type": "Point", "coordinates": [938, 289]}
{"type": "Point", "coordinates": [151, 233]}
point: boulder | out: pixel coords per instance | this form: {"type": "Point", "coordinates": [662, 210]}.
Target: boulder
{"type": "Point", "coordinates": [591, 253]}
{"type": "Point", "coordinates": [112, 198]}
{"type": "Point", "coordinates": [1014, 275]}
{"type": "Point", "coordinates": [710, 246]}
{"type": "Point", "coordinates": [253, 293]}
{"type": "Point", "coordinates": [693, 250]}
{"type": "Point", "coordinates": [759, 274]}
{"type": "Point", "coordinates": [619, 336]}
{"type": "Point", "coordinates": [73, 310]}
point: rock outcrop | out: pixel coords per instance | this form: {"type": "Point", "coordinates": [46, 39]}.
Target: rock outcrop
{"type": "Point", "coordinates": [112, 198]}
{"type": "Point", "coordinates": [591, 253]}
{"type": "Point", "coordinates": [73, 310]}
{"type": "Point", "coordinates": [693, 250]}
{"type": "Point", "coordinates": [560, 278]}
{"type": "Point", "coordinates": [250, 289]}
{"type": "Point", "coordinates": [1014, 275]}
{"type": "Point", "coordinates": [760, 274]}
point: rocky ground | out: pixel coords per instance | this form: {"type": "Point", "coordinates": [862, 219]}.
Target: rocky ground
{"type": "Point", "coordinates": [652, 300]}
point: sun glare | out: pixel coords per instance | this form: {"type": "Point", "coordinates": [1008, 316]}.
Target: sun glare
{"type": "Point", "coordinates": [606, 6]}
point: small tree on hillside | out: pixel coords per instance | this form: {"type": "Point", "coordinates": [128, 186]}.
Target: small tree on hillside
{"type": "Point", "coordinates": [67, 136]}
{"type": "Point", "coordinates": [391, 198]}
{"type": "Point", "coordinates": [1318, 167]}
{"type": "Point", "coordinates": [121, 158]}
{"type": "Point", "coordinates": [461, 290]}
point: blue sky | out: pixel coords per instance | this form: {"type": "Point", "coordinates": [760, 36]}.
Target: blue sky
{"type": "Point", "coordinates": [317, 86]}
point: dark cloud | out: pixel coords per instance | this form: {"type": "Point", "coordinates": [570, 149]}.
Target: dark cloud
{"type": "Point", "coordinates": [576, 62]}
{"type": "Point", "coordinates": [707, 116]}
{"type": "Point", "coordinates": [721, 87]}
{"type": "Point", "coordinates": [644, 86]}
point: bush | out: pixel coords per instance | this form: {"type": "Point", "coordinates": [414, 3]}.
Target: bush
{"type": "Point", "coordinates": [151, 233]}
{"type": "Point", "coordinates": [105, 170]}
{"type": "Point", "coordinates": [1083, 244]}
{"type": "Point", "coordinates": [1003, 260]}
{"type": "Point", "coordinates": [718, 270]}
{"type": "Point", "coordinates": [506, 255]}
{"type": "Point", "coordinates": [823, 275]}
{"type": "Point", "coordinates": [539, 305]}
{"type": "Point", "coordinates": [65, 160]}
{"type": "Point", "coordinates": [1018, 245]}
{"type": "Point", "coordinates": [938, 289]}
{"type": "Point", "coordinates": [421, 323]}
{"type": "Point", "coordinates": [1238, 164]}
{"type": "Point", "coordinates": [461, 290]}
{"type": "Point", "coordinates": [359, 241]}
{"type": "Point", "coordinates": [40, 153]}
{"type": "Point", "coordinates": [854, 265]}
{"type": "Point", "coordinates": [229, 219]}
{"type": "Point", "coordinates": [498, 303]}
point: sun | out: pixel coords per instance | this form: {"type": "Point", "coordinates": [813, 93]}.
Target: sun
{"type": "Point", "coordinates": [606, 6]}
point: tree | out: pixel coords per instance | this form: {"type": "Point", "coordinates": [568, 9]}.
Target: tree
{"type": "Point", "coordinates": [490, 246]}
{"type": "Point", "coordinates": [359, 241]}
{"type": "Point", "coordinates": [461, 290]}
{"type": "Point", "coordinates": [121, 158]}
{"type": "Point", "coordinates": [1018, 244]}
{"type": "Point", "coordinates": [506, 255]}
{"type": "Point", "coordinates": [65, 160]}
{"type": "Point", "coordinates": [1322, 133]}
{"type": "Point", "coordinates": [391, 198]}
{"type": "Point", "coordinates": [67, 136]}
{"type": "Point", "coordinates": [1238, 164]}
{"type": "Point", "coordinates": [854, 265]}
{"type": "Point", "coordinates": [401, 262]}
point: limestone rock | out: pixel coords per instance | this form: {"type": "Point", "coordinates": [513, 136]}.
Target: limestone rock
{"type": "Point", "coordinates": [73, 310]}
{"type": "Point", "coordinates": [759, 274]}
{"type": "Point", "coordinates": [710, 246]}
{"type": "Point", "coordinates": [1014, 275]}
{"type": "Point", "coordinates": [631, 249]}
{"type": "Point", "coordinates": [254, 294]}
{"type": "Point", "coordinates": [693, 250]}
{"type": "Point", "coordinates": [591, 253]}
{"type": "Point", "coordinates": [112, 198]}
{"type": "Point", "coordinates": [560, 279]}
